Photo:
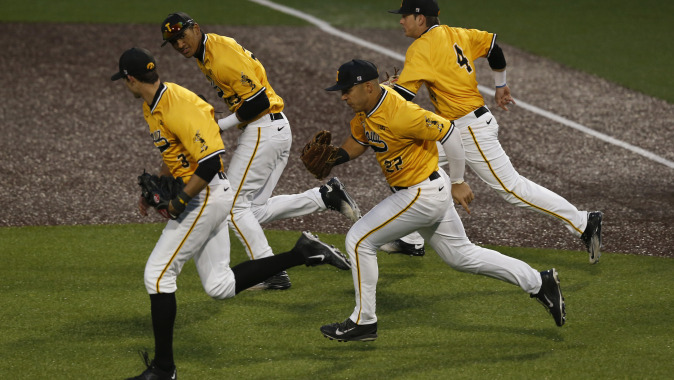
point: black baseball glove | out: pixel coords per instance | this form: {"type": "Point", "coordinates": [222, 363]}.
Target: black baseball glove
{"type": "Point", "coordinates": [159, 191]}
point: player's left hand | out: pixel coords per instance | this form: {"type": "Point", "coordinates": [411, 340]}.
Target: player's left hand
{"type": "Point", "coordinates": [463, 195]}
{"type": "Point", "coordinates": [143, 206]}
{"type": "Point", "coordinates": [503, 97]}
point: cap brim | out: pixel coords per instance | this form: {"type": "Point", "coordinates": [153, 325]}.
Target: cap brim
{"type": "Point", "coordinates": [396, 11]}
{"type": "Point", "coordinates": [173, 38]}
{"type": "Point", "coordinates": [117, 76]}
{"type": "Point", "coordinates": [170, 40]}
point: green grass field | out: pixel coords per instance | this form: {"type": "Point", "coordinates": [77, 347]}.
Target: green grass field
{"type": "Point", "coordinates": [74, 307]}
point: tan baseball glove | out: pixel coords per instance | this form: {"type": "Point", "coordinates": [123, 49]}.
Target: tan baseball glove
{"type": "Point", "coordinates": [318, 155]}
{"type": "Point", "coordinates": [391, 80]}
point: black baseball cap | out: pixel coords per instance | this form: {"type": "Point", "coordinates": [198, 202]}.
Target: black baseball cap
{"type": "Point", "coordinates": [354, 72]}
{"type": "Point", "coordinates": [174, 26]}
{"type": "Point", "coordinates": [135, 61]}
{"type": "Point", "coordinates": [420, 7]}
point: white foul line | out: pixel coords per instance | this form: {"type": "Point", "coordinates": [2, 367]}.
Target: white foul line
{"type": "Point", "coordinates": [324, 26]}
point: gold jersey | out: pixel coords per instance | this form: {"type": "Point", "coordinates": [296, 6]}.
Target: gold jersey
{"type": "Point", "coordinates": [403, 136]}
{"type": "Point", "coordinates": [443, 59]}
{"type": "Point", "coordinates": [183, 129]}
{"type": "Point", "coordinates": [235, 73]}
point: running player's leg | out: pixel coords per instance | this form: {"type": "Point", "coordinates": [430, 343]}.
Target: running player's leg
{"type": "Point", "coordinates": [181, 240]}
{"type": "Point", "coordinates": [486, 157]}
{"type": "Point", "coordinates": [253, 162]}
{"type": "Point", "coordinates": [213, 259]}
{"type": "Point", "coordinates": [398, 215]}
{"type": "Point", "coordinates": [448, 238]}
{"type": "Point", "coordinates": [273, 159]}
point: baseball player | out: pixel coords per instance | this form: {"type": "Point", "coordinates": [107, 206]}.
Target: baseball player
{"type": "Point", "coordinates": [403, 137]}
{"type": "Point", "coordinates": [183, 129]}
{"type": "Point", "coordinates": [442, 58]}
{"type": "Point", "coordinates": [264, 144]}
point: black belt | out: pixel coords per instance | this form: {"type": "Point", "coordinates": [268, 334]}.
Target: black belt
{"type": "Point", "coordinates": [272, 116]}
{"type": "Point", "coordinates": [481, 111]}
{"type": "Point", "coordinates": [432, 177]}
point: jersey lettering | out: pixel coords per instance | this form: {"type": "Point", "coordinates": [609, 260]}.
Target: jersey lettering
{"type": "Point", "coordinates": [247, 52]}
{"type": "Point", "coordinates": [377, 144]}
{"type": "Point", "coordinates": [160, 142]}
{"type": "Point", "coordinates": [231, 101]}
{"type": "Point", "coordinates": [461, 59]}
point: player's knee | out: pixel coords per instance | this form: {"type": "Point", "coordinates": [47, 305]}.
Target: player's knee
{"type": "Point", "coordinates": [260, 212]}
{"type": "Point", "coordinates": [355, 243]}
{"type": "Point", "coordinates": [154, 285]}
{"type": "Point", "coordinates": [220, 291]}
{"type": "Point", "coordinates": [350, 241]}
{"type": "Point", "coordinates": [151, 281]}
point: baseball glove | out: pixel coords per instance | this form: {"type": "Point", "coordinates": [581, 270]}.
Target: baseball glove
{"type": "Point", "coordinates": [318, 155]}
{"type": "Point", "coordinates": [158, 191]}
{"type": "Point", "coordinates": [391, 80]}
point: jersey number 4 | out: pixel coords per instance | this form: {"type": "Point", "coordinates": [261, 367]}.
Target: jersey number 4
{"type": "Point", "coordinates": [461, 59]}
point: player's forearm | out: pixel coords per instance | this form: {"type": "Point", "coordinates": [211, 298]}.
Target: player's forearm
{"type": "Point", "coordinates": [352, 148]}
{"type": "Point", "coordinates": [249, 110]}
{"type": "Point", "coordinates": [455, 155]}
{"type": "Point", "coordinates": [194, 186]}
{"type": "Point", "coordinates": [204, 173]}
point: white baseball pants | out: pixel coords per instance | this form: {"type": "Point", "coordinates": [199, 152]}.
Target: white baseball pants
{"type": "Point", "coordinates": [486, 157]}
{"type": "Point", "coordinates": [255, 168]}
{"type": "Point", "coordinates": [427, 208]}
{"type": "Point", "coordinates": [200, 232]}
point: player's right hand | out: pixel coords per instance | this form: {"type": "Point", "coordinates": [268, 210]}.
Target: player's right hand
{"type": "Point", "coordinates": [503, 98]}
{"type": "Point", "coordinates": [463, 195]}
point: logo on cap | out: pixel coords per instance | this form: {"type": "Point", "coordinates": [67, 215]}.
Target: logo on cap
{"type": "Point", "coordinates": [150, 66]}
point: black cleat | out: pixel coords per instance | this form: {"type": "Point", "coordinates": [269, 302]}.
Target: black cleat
{"type": "Point", "coordinates": [152, 372]}
{"type": "Point", "coordinates": [399, 246]}
{"type": "Point", "coordinates": [279, 281]}
{"type": "Point", "coordinates": [592, 235]}
{"type": "Point", "coordinates": [336, 198]}
{"type": "Point", "coordinates": [317, 253]}
{"type": "Point", "coordinates": [349, 331]}
{"type": "Point", "coordinates": [551, 296]}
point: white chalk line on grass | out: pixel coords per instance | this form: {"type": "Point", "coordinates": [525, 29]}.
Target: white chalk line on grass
{"type": "Point", "coordinates": [327, 28]}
